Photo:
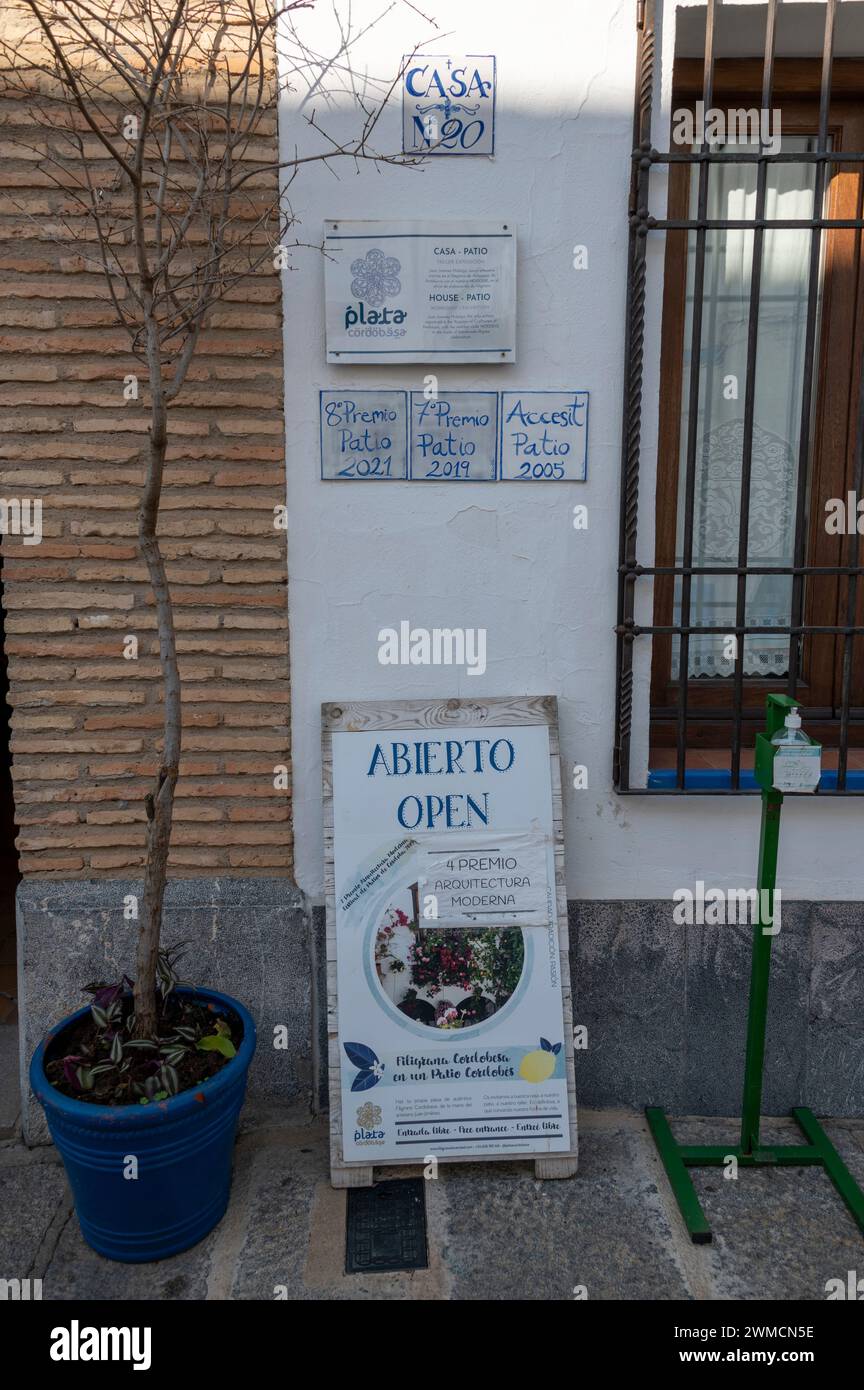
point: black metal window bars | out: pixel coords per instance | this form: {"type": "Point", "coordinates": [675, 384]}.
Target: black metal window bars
{"type": "Point", "coordinates": [645, 158]}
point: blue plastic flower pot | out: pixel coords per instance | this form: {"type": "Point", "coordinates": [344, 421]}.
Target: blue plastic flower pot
{"type": "Point", "coordinates": [183, 1146]}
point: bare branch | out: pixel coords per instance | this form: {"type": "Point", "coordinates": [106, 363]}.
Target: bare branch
{"type": "Point", "coordinates": [157, 120]}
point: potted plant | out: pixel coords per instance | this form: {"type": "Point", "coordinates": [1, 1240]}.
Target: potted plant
{"type": "Point", "coordinates": [145, 1126]}
{"type": "Point", "coordinates": [143, 1088]}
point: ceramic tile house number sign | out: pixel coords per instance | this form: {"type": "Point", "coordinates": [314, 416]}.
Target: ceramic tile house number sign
{"type": "Point", "coordinates": [364, 435]}
{"type": "Point", "coordinates": [448, 104]}
{"type": "Point", "coordinates": [544, 436]}
{"type": "Point", "coordinates": [427, 292]}
{"type": "Point", "coordinates": [448, 981]}
{"type": "Point", "coordinates": [454, 437]}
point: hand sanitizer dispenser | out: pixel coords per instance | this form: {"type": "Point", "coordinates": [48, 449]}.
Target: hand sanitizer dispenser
{"type": "Point", "coordinates": [786, 759]}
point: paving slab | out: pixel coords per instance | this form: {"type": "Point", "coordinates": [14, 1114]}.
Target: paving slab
{"type": "Point", "coordinates": [75, 1271]}
{"type": "Point", "coordinates": [294, 1243]}
{"type": "Point", "coordinates": [612, 1232]}
{"type": "Point", "coordinates": [31, 1197]}
{"type": "Point", "coordinates": [494, 1231]}
{"type": "Point", "coordinates": [604, 1232]}
{"type": "Point", "coordinates": [779, 1233]}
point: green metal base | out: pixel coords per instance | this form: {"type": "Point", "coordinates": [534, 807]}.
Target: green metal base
{"type": "Point", "coordinates": [677, 1158]}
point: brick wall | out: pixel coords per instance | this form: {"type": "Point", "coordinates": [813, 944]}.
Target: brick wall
{"type": "Point", "coordinates": [85, 719]}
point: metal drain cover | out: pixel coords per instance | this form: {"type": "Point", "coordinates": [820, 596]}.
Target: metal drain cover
{"type": "Point", "coordinates": [386, 1227]}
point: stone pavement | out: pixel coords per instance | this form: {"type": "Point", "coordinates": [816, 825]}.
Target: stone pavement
{"type": "Point", "coordinates": [494, 1232]}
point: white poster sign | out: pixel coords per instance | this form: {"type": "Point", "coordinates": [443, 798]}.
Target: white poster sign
{"type": "Point", "coordinates": [798, 767]}
{"type": "Point", "coordinates": [452, 1038]}
{"type": "Point", "coordinates": [448, 104]}
{"type": "Point", "coordinates": [420, 292]}
{"type": "Point", "coordinates": [468, 880]}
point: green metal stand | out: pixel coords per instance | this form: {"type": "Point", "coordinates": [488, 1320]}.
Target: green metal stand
{"type": "Point", "coordinates": [750, 1152]}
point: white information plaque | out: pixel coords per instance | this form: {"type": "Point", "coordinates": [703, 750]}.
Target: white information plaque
{"type": "Point", "coordinates": [425, 292]}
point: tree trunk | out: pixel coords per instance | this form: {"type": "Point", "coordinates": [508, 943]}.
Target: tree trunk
{"type": "Point", "coordinates": [159, 802]}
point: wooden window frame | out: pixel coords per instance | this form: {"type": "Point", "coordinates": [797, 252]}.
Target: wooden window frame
{"type": "Point", "coordinates": [797, 92]}
{"type": "Point", "coordinates": [716, 82]}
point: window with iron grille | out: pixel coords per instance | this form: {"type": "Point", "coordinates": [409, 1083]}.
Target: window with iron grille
{"type": "Point", "coordinates": [756, 200]}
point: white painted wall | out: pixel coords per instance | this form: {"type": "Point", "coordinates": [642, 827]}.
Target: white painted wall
{"type": "Point", "coordinates": [503, 556]}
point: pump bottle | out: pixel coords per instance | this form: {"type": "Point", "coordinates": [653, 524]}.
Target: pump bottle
{"type": "Point", "coordinates": [791, 733]}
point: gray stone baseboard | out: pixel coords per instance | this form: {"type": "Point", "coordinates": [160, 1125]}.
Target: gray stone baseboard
{"type": "Point", "coordinates": [666, 1009]}
{"type": "Point", "coordinates": [247, 937]}
{"type": "Point", "coordinates": [664, 1005]}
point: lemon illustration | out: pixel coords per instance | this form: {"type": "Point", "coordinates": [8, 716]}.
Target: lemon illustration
{"type": "Point", "coordinates": [537, 1066]}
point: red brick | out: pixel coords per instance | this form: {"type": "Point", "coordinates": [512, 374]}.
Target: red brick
{"type": "Point", "coordinates": [116, 859]}
{"type": "Point", "coordinates": [261, 858]}
{"type": "Point", "coordinates": [75, 745]}
{"type": "Point", "coordinates": [39, 865]}
{"type": "Point", "coordinates": [86, 723]}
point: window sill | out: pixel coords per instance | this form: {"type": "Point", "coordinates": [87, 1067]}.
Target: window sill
{"type": "Point", "coordinates": [718, 780]}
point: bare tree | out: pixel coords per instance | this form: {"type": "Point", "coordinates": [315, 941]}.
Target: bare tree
{"type": "Point", "coordinates": [174, 93]}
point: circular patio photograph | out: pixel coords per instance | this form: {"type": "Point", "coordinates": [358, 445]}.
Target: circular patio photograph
{"type": "Point", "coordinates": [447, 977]}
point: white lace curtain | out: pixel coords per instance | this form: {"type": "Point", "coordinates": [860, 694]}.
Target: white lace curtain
{"type": "Point", "coordinates": [720, 425]}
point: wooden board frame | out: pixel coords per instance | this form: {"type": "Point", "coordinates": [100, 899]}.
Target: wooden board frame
{"type": "Point", "coordinates": [362, 716]}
